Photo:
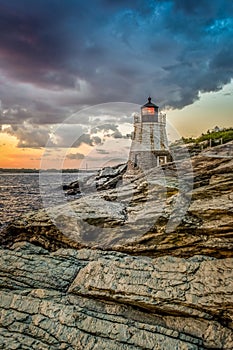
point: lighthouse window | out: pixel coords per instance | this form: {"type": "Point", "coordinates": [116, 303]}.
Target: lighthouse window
{"type": "Point", "coordinates": [148, 110]}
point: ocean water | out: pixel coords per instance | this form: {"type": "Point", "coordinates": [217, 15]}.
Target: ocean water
{"type": "Point", "coordinates": [21, 192]}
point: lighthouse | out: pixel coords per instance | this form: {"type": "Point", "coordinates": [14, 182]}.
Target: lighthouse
{"type": "Point", "coordinates": [149, 146]}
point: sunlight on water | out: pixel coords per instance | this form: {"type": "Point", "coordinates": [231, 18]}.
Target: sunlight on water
{"type": "Point", "coordinates": [20, 193]}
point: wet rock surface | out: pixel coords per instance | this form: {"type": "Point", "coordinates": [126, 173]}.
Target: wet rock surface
{"type": "Point", "coordinates": [126, 267]}
{"type": "Point", "coordinates": [105, 179]}
{"type": "Point", "coordinates": [91, 299]}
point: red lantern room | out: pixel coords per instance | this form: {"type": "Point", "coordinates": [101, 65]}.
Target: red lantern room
{"type": "Point", "coordinates": [149, 112]}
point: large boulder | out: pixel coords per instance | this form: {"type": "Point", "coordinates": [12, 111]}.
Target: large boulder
{"type": "Point", "coordinates": [105, 179]}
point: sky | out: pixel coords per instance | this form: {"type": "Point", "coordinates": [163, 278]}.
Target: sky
{"type": "Point", "coordinates": [59, 58]}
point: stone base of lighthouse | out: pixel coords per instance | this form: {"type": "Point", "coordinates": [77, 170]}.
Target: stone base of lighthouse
{"type": "Point", "coordinates": [144, 160]}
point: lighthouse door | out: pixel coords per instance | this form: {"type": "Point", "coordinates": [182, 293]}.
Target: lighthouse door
{"type": "Point", "coordinates": [136, 161]}
{"type": "Point", "coordinates": [161, 160]}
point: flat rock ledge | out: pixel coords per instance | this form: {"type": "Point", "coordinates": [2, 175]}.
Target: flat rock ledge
{"type": "Point", "coordinates": [94, 300]}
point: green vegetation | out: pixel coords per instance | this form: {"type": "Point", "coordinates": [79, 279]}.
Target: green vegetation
{"type": "Point", "coordinates": [226, 135]}
{"type": "Point", "coordinates": [216, 136]}
{"type": "Point", "coordinates": [211, 138]}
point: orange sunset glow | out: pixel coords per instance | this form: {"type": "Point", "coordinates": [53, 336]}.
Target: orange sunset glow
{"type": "Point", "coordinates": [13, 157]}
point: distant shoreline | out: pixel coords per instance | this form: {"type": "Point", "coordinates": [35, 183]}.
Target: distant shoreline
{"type": "Point", "coordinates": [30, 171]}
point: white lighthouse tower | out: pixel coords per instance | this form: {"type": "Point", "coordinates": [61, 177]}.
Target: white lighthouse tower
{"type": "Point", "coordinates": [149, 146]}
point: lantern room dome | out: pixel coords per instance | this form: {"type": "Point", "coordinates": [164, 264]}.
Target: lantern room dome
{"type": "Point", "coordinates": [150, 104]}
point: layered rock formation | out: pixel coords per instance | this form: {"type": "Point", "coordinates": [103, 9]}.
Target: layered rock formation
{"type": "Point", "coordinates": [90, 299]}
{"type": "Point", "coordinates": [144, 265]}
{"type": "Point", "coordinates": [105, 179]}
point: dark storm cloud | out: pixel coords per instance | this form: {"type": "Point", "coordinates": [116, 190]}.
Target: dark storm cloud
{"type": "Point", "coordinates": [105, 127]}
{"type": "Point", "coordinates": [59, 56]}
{"type": "Point", "coordinates": [38, 136]}
{"type": "Point", "coordinates": [38, 40]}
{"type": "Point", "coordinates": [75, 156]}
{"type": "Point", "coordinates": [88, 139]}
{"type": "Point", "coordinates": [29, 136]}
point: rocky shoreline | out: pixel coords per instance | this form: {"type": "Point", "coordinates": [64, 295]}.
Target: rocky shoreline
{"type": "Point", "coordinates": [119, 275]}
